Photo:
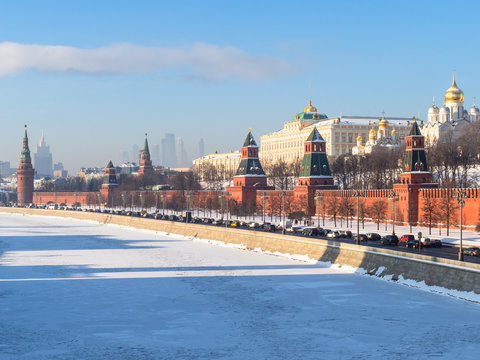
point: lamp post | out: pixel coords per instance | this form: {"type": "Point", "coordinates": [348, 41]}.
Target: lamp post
{"type": "Point", "coordinates": [263, 197]}
{"type": "Point", "coordinates": [393, 197]}
{"type": "Point", "coordinates": [189, 196]}
{"type": "Point", "coordinates": [164, 198]}
{"type": "Point", "coordinates": [142, 200]}
{"type": "Point", "coordinates": [358, 194]}
{"type": "Point", "coordinates": [283, 194]}
{"type": "Point", "coordinates": [220, 197]}
{"type": "Point", "coordinates": [317, 207]}
{"type": "Point", "coordinates": [227, 194]}
{"type": "Point", "coordinates": [156, 202]}
{"type": "Point", "coordinates": [461, 202]}
{"type": "Point", "coordinates": [124, 201]}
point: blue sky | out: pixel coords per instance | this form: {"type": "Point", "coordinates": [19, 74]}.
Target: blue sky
{"type": "Point", "coordinates": [213, 69]}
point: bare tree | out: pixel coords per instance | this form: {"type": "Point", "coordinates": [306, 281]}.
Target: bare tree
{"type": "Point", "coordinates": [378, 211]}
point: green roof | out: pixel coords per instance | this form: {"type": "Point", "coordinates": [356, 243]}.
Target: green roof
{"type": "Point", "coordinates": [309, 116]}
{"type": "Point", "coordinates": [249, 141]}
{"type": "Point", "coordinates": [415, 130]}
{"type": "Point", "coordinates": [315, 136]}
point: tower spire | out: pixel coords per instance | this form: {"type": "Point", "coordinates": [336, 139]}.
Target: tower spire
{"type": "Point", "coordinates": [433, 100]}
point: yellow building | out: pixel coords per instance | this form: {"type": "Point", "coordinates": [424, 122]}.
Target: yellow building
{"type": "Point", "coordinates": [225, 164]}
{"type": "Point", "coordinates": [339, 132]}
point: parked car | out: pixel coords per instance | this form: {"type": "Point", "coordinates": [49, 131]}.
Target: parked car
{"type": "Point", "coordinates": [436, 243]}
{"type": "Point", "coordinates": [234, 223]}
{"type": "Point", "coordinates": [373, 236]}
{"type": "Point", "coordinates": [310, 231]}
{"type": "Point", "coordinates": [269, 227]}
{"type": "Point", "coordinates": [345, 233]}
{"type": "Point", "coordinates": [413, 244]}
{"type": "Point", "coordinates": [389, 240]}
{"type": "Point", "coordinates": [362, 237]}
{"type": "Point", "coordinates": [426, 242]}
{"type": "Point", "coordinates": [325, 232]}
{"type": "Point", "coordinates": [253, 225]}
{"type": "Point", "coordinates": [472, 251]}
{"type": "Point", "coordinates": [405, 238]}
{"type": "Point", "coordinates": [333, 234]}
{"type": "Point", "coordinates": [217, 222]}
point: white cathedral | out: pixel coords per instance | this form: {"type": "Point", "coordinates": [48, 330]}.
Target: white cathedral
{"type": "Point", "coordinates": [448, 121]}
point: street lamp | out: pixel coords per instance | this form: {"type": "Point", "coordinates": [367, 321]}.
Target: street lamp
{"type": "Point", "coordinates": [358, 194]}
{"type": "Point", "coordinates": [227, 194]}
{"type": "Point", "coordinates": [164, 198]}
{"type": "Point", "coordinates": [393, 197]}
{"type": "Point", "coordinates": [263, 197]}
{"type": "Point", "coordinates": [460, 196]}
{"type": "Point", "coordinates": [189, 196]}
{"type": "Point", "coordinates": [283, 194]}
{"type": "Point", "coordinates": [220, 197]}
{"type": "Point", "coordinates": [124, 201]}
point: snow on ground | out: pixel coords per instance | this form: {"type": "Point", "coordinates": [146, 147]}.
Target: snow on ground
{"type": "Point", "coordinates": [78, 290]}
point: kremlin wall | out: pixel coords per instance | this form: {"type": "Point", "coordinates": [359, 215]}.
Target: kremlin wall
{"type": "Point", "coordinates": [315, 194]}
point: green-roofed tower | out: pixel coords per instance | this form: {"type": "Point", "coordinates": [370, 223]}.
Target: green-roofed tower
{"type": "Point", "coordinates": [315, 169]}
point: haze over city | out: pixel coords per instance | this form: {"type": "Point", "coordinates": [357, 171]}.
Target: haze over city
{"type": "Point", "coordinates": [96, 76]}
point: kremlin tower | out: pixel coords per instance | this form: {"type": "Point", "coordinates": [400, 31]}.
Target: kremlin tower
{"type": "Point", "coordinates": [250, 176]}
{"type": "Point", "coordinates": [25, 175]}
{"type": "Point", "coordinates": [110, 183]}
{"type": "Point", "coordinates": [415, 175]}
{"type": "Point", "coordinates": [146, 167]}
{"type": "Point", "coordinates": [315, 171]}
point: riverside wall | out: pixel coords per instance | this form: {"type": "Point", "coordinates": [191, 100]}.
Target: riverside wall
{"type": "Point", "coordinates": [449, 274]}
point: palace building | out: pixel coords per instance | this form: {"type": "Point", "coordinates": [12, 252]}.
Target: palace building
{"type": "Point", "coordinates": [449, 120]}
{"type": "Point", "coordinates": [340, 133]}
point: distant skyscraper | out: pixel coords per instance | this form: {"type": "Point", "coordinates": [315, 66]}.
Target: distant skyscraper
{"type": "Point", "coordinates": [181, 153]}
{"type": "Point", "coordinates": [169, 155]}
{"type": "Point", "coordinates": [135, 154]}
{"type": "Point", "coordinates": [42, 159]}
{"type": "Point", "coordinates": [155, 155]}
{"type": "Point", "coordinates": [125, 156]}
{"type": "Point", "coordinates": [201, 148]}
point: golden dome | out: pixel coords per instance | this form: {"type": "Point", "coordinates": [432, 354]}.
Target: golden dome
{"type": "Point", "coordinates": [359, 138]}
{"type": "Point", "coordinates": [372, 132]}
{"type": "Point", "coordinates": [454, 94]}
{"type": "Point", "coordinates": [394, 131]}
{"type": "Point", "coordinates": [383, 122]}
{"type": "Point", "coordinates": [310, 107]}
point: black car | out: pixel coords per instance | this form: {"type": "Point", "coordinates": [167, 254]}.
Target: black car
{"type": "Point", "coordinates": [309, 231]}
{"type": "Point", "coordinates": [373, 236]}
{"type": "Point", "coordinates": [389, 240]}
{"type": "Point", "coordinates": [345, 234]}
{"type": "Point", "coordinates": [362, 237]}
{"type": "Point", "coordinates": [472, 251]}
{"type": "Point", "coordinates": [269, 227]}
{"type": "Point", "coordinates": [413, 244]}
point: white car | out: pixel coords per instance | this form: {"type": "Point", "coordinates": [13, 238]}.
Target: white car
{"type": "Point", "coordinates": [253, 225]}
{"type": "Point", "coordinates": [333, 234]}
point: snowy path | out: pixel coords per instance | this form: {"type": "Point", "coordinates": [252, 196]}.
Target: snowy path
{"type": "Point", "coordinates": [79, 290]}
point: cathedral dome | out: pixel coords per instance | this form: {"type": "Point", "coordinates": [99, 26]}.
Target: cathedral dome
{"type": "Point", "coordinates": [454, 94]}
{"type": "Point", "coordinates": [383, 122]}
{"type": "Point", "coordinates": [310, 107]}
{"type": "Point", "coordinates": [474, 110]}
{"type": "Point", "coordinates": [433, 110]}
{"type": "Point", "coordinates": [359, 138]}
{"type": "Point", "coordinates": [444, 110]}
{"type": "Point", "coordinates": [372, 134]}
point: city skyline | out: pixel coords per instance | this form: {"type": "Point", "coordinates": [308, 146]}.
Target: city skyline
{"type": "Point", "coordinates": [104, 84]}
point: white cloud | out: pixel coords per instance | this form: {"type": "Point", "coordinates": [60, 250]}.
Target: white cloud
{"type": "Point", "coordinates": [209, 61]}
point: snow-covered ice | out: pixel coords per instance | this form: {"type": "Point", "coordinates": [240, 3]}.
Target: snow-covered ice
{"type": "Point", "coordinates": [78, 290]}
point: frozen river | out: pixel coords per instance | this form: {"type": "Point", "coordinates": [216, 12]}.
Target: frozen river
{"type": "Point", "coordinates": [79, 290]}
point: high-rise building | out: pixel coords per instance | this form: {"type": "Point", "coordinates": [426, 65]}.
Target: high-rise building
{"type": "Point", "coordinates": [201, 148]}
{"type": "Point", "coordinates": [182, 154]}
{"type": "Point", "coordinates": [135, 154]}
{"type": "Point", "coordinates": [156, 155]}
{"type": "Point", "coordinates": [42, 159]}
{"type": "Point", "coordinates": [25, 174]}
{"type": "Point", "coordinates": [5, 169]}
{"type": "Point", "coordinates": [125, 156]}
{"type": "Point", "coordinates": [169, 155]}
